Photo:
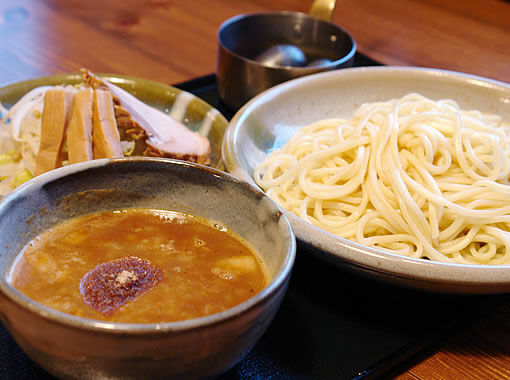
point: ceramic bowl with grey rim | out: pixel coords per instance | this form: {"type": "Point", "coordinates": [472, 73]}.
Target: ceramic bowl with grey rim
{"type": "Point", "coordinates": [270, 119]}
{"type": "Point", "coordinates": [73, 347]}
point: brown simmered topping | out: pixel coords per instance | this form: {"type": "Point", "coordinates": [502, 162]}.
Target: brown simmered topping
{"type": "Point", "coordinates": [154, 132]}
{"type": "Point", "coordinates": [111, 285]}
{"type": "Point", "coordinates": [55, 116]}
{"type": "Point", "coordinates": [79, 128]}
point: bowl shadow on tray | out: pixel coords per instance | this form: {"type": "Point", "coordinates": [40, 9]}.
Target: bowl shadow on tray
{"type": "Point", "coordinates": [336, 322]}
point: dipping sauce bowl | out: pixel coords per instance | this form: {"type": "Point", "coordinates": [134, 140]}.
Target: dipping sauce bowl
{"type": "Point", "coordinates": [243, 38]}
{"type": "Point", "coordinates": [68, 346]}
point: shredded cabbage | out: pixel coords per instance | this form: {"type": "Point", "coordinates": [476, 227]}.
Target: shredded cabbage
{"type": "Point", "coordinates": [20, 135]}
{"type": "Point", "coordinates": [128, 148]}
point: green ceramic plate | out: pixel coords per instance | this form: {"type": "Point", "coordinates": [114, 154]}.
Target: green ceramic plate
{"type": "Point", "coordinates": [193, 112]}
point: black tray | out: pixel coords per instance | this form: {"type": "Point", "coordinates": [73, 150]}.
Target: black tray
{"type": "Point", "coordinates": [332, 323]}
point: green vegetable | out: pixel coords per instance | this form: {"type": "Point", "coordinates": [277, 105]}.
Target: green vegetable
{"type": "Point", "coordinates": [22, 177]}
{"type": "Point", "coordinates": [11, 156]}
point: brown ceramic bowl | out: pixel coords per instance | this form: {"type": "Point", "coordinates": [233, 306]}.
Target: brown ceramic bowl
{"type": "Point", "coordinates": [73, 347]}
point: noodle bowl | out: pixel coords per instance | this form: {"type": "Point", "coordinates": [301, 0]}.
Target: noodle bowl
{"type": "Point", "coordinates": [411, 176]}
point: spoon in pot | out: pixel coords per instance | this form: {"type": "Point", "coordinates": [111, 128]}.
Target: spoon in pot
{"type": "Point", "coordinates": [291, 55]}
{"type": "Point", "coordinates": [282, 55]}
{"type": "Point", "coordinates": [288, 55]}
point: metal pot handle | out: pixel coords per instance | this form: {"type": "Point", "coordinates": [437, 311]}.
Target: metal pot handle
{"type": "Point", "coordinates": [323, 9]}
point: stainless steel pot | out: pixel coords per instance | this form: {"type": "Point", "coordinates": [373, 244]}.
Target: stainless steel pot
{"type": "Point", "coordinates": [242, 38]}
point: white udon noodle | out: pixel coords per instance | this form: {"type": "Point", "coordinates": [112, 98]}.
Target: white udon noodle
{"type": "Point", "coordinates": [412, 176]}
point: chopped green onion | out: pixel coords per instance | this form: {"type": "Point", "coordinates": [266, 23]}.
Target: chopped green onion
{"type": "Point", "coordinates": [21, 178]}
{"type": "Point", "coordinates": [11, 156]}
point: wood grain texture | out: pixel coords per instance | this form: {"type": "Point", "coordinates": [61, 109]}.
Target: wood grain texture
{"type": "Point", "coordinates": [471, 36]}
{"type": "Point", "coordinates": [172, 41]}
{"type": "Point", "coordinates": [175, 40]}
{"type": "Point", "coordinates": [480, 351]}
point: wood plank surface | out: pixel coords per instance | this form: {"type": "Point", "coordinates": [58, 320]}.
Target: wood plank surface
{"type": "Point", "coordinates": [175, 40]}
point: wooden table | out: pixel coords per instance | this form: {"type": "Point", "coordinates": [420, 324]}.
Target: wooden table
{"type": "Point", "coordinates": [175, 40]}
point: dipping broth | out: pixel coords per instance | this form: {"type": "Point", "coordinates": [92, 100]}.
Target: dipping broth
{"type": "Point", "coordinates": [139, 265]}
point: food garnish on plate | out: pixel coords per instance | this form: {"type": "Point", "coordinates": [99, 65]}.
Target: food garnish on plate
{"type": "Point", "coordinates": [51, 126]}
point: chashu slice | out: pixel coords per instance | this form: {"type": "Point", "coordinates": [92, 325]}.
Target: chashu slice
{"type": "Point", "coordinates": [55, 116]}
{"type": "Point", "coordinates": [153, 130]}
{"type": "Point", "coordinates": [79, 129]}
{"type": "Point", "coordinates": [105, 134]}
